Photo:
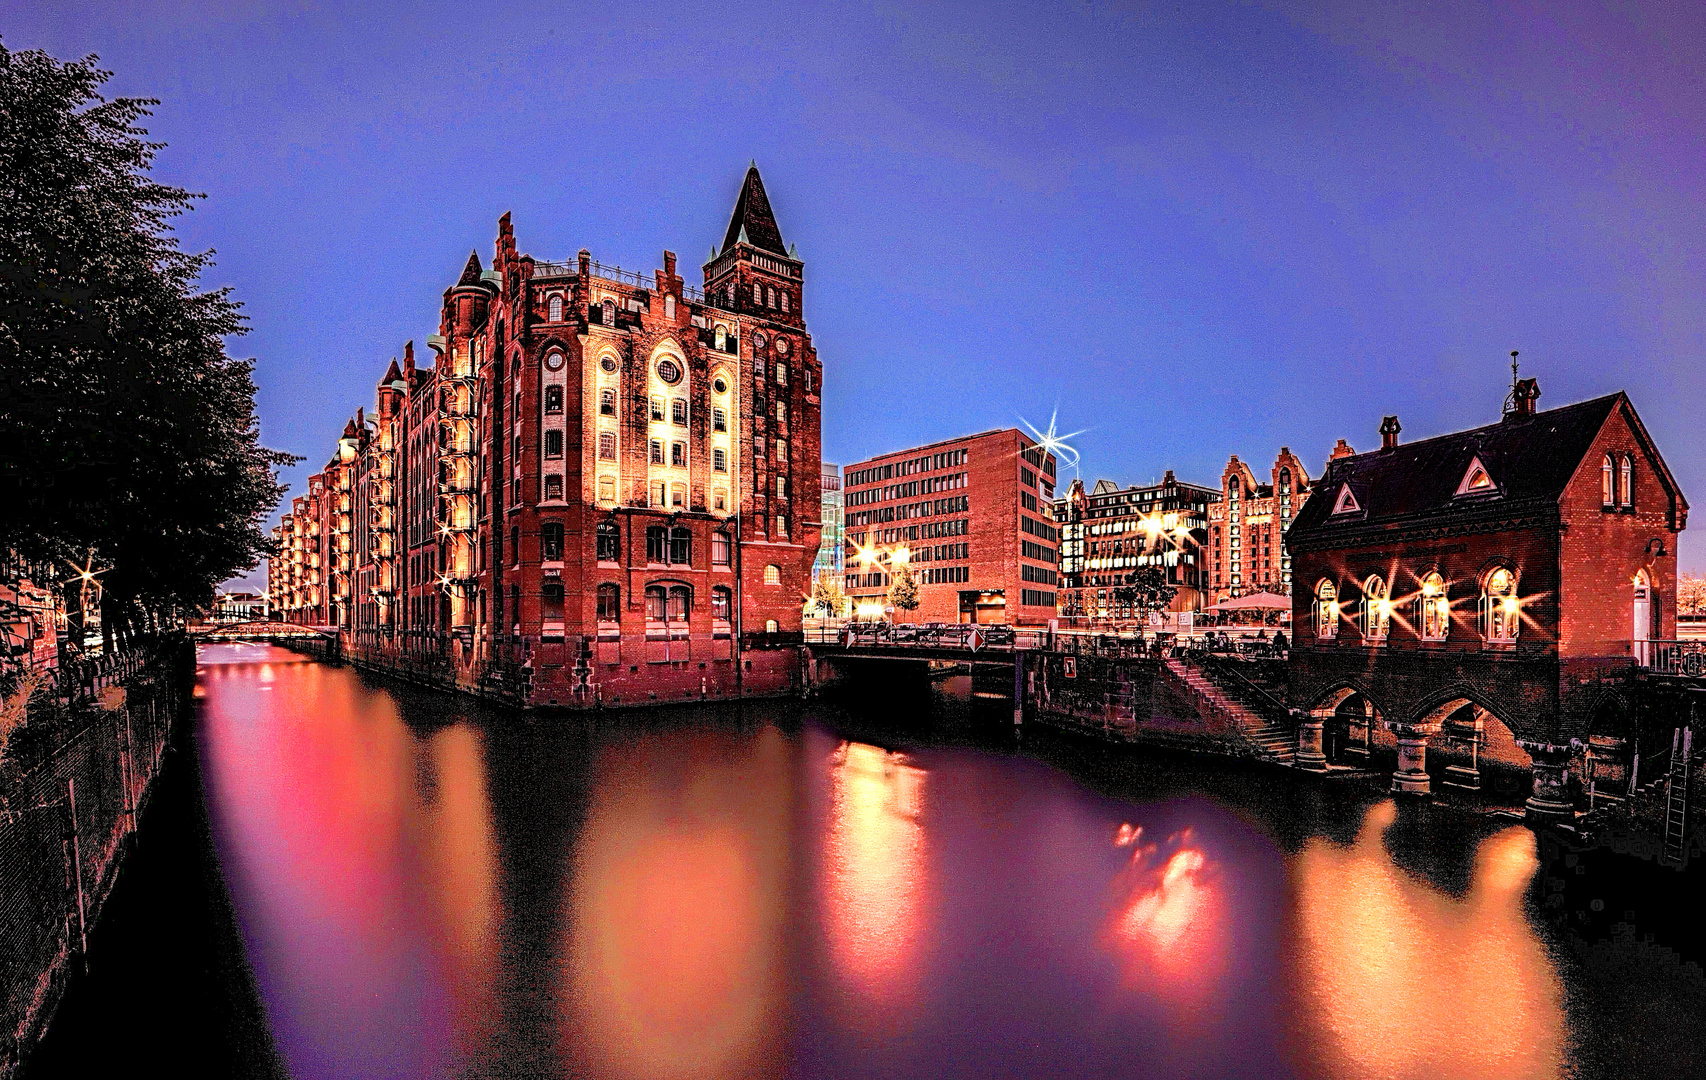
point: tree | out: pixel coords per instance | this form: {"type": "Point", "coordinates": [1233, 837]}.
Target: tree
{"type": "Point", "coordinates": [127, 432]}
{"type": "Point", "coordinates": [1691, 595]}
{"type": "Point", "coordinates": [827, 598]}
{"type": "Point", "coordinates": [1146, 590]}
{"type": "Point", "coordinates": [903, 591]}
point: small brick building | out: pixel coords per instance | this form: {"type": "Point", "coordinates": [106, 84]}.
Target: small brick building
{"type": "Point", "coordinates": [972, 516]}
{"type": "Point", "coordinates": [1495, 587]}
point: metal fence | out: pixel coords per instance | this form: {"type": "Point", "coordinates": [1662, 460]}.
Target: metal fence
{"type": "Point", "coordinates": [69, 799]}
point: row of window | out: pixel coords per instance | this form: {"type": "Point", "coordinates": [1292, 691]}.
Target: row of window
{"type": "Point", "coordinates": [953, 504]}
{"type": "Point", "coordinates": [945, 460]}
{"type": "Point", "coordinates": [1037, 528]}
{"type": "Point", "coordinates": [1037, 573]}
{"type": "Point", "coordinates": [945, 575]}
{"type": "Point", "coordinates": [1036, 598]}
{"type": "Point", "coordinates": [1500, 612]}
{"type": "Point", "coordinates": [1617, 482]}
{"type": "Point", "coordinates": [1036, 551]}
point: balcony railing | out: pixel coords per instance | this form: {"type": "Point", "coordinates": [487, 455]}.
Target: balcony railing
{"type": "Point", "coordinates": [1672, 657]}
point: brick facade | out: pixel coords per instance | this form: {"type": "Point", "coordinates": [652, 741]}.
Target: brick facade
{"type": "Point", "coordinates": [606, 486]}
{"type": "Point", "coordinates": [1439, 522]}
{"type": "Point", "coordinates": [974, 518]}
{"type": "Point", "coordinates": [1109, 532]}
{"type": "Point", "coordinates": [1247, 526]}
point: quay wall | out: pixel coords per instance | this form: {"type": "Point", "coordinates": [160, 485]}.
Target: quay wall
{"type": "Point", "coordinates": [1127, 699]}
{"type": "Point", "coordinates": [74, 780]}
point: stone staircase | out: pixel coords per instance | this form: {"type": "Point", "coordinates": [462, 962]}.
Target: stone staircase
{"type": "Point", "coordinates": [1271, 739]}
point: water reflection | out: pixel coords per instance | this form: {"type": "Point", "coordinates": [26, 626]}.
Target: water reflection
{"type": "Point", "coordinates": [1398, 979]}
{"type": "Point", "coordinates": [875, 875]}
{"type": "Point", "coordinates": [690, 895]}
{"type": "Point", "coordinates": [679, 903]}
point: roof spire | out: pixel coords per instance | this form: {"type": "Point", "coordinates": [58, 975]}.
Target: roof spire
{"type": "Point", "coordinates": [752, 222]}
{"type": "Point", "coordinates": [470, 272]}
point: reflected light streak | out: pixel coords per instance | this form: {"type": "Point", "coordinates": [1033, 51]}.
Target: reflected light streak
{"type": "Point", "coordinates": [874, 907]}
{"type": "Point", "coordinates": [1399, 979]}
{"type": "Point", "coordinates": [677, 928]}
{"type": "Point", "coordinates": [1169, 924]}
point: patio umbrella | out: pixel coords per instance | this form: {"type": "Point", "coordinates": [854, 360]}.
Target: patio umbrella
{"type": "Point", "coordinates": [1260, 601]}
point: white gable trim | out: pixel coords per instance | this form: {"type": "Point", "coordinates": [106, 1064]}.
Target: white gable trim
{"type": "Point", "coordinates": [1346, 503]}
{"type": "Point", "coordinates": [1476, 479]}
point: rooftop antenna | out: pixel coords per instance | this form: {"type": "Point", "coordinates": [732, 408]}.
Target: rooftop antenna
{"type": "Point", "coordinates": [1510, 399]}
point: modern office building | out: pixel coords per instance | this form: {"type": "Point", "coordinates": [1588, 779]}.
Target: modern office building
{"type": "Point", "coordinates": [972, 520]}
{"type": "Point", "coordinates": [831, 500]}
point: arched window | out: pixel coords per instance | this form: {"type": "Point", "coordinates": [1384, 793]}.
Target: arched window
{"type": "Point", "coordinates": [610, 313]}
{"type": "Point", "coordinates": [781, 412]}
{"type": "Point", "coordinates": [772, 575]}
{"type": "Point", "coordinates": [657, 602]}
{"type": "Point", "coordinates": [606, 400]}
{"type": "Point", "coordinates": [551, 541]}
{"type": "Point", "coordinates": [1376, 609]}
{"type": "Point", "coordinates": [722, 338]}
{"type": "Point", "coordinates": [1607, 483]}
{"type": "Point", "coordinates": [680, 603]}
{"type": "Point", "coordinates": [609, 603]}
{"type": "Point", "coordinates": [781, 487]}
{"type": "Point", "coordinates": [770, 626]}
{"type": "Point", "coordinates": [1326, 611]}
{"type": "Point", "coordinates": [554, 310]}
{"type": "Point", "coordinates": [609, 541]}
{"type": "Point", "coordinates": [607, 445]}
{"type": "Point", "coordinates": [669, 305]}
{"type": "Point", "coordinates": [720, 603]}
{"type": "Point", "coordinates": [770, 296]}
{"type": "Point", "coordinates": [681, 546]}
{"type": "Point", "coordinates": [781, 373]}
{"type": "Point", "coordinates": [1436, 608]}
{"type": "Point", "coordinates": [1501, 613]}
{"type": "Point", "coordinates": [784, 299]}
{"type": "Point", "coordinates": [757, 294]}
{"type": "Point", "coordinates": [1626, 483]}
{"type": "Point", "coordinates": [1285, 482]}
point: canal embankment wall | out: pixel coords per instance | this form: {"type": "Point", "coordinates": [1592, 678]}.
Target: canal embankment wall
{"type": "Point", "coordinates": [80, 751]}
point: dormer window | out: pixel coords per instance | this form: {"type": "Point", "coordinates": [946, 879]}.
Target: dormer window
{"type": "Point", "coordinates": [1476, 481]}
{"type": "Point", "coordinates": [1346, 503]}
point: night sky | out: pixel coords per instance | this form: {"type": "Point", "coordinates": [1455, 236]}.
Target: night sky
{"type": "Point", "coordinates": [1197, 229]}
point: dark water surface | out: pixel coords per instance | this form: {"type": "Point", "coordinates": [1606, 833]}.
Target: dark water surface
{"type": "Point", "coordinates": [425, 889]}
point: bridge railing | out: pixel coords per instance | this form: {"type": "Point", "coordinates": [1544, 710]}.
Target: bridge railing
{"type": "Point", "coordinates": [1672, 657]}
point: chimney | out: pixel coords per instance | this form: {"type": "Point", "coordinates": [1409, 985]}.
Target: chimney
{"type": "Point", "coordinates": [1527, 392]}
{"type": "Point", "coordinates": [1389, 429]}
{"type": "Point", "coordinates": [1341, 450]}
{"type": "Point", "coordinates": [409, 360]}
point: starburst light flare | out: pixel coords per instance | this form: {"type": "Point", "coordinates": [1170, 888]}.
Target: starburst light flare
{"type": "Point", "coordinates": [1053, 442]}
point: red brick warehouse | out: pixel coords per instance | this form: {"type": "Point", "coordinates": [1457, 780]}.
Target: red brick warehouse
{"type": "Point", "coordinates": [1499, 588]}
{"type": "Point", "coordinates": [974, 519]}
{"type": "Point", "coordinates": [605, 488]}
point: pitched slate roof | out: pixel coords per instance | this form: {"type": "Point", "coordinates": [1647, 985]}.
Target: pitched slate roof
{"type": "Point", "coordinates": [752, 220]}
{"type": "Point", "coordinates": [1528, 458]}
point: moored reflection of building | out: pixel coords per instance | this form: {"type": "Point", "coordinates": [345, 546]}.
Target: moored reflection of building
{"type": "Point", "coordinates": [1247, 526]}
{"type": "Point", "coordinates": [604, 488]}
{"type": "Point", "coordinates": [1110, 531]}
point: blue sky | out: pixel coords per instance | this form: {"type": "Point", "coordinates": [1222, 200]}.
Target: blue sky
{"type": "Point", "coordinates": [1197, 229]}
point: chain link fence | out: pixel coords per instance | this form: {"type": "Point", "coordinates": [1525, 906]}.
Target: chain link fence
{"type": "Point", "coordinates": [73, 782]}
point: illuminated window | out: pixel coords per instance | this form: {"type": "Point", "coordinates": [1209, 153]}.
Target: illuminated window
{"type": "Point", "coordinates": [784, 299]}
{"type": "Point", "coordinates": [781, 373]}
{"type": "Point", "coordinates": [1607, 483]}
{"type": "Point", "coordinates": [1501, 613]}
{"type": "Point", "coordinates": [770, 296]}
{"type": "Point", "coordinates": [1376, 609]}
{"type": "Point", "coordinates": [781, 412]}
{"type": "Point", "coordinates": [1326, 611]}
{"type": "Point", "coordinates": [772, 575]}
{"type": "Point", "coordinates": [781, 449]}
{"type": "Point", "coordinates": [1626, 483]}
{"type": "Point", "coordinates": [782, 487]}
{"type": "Point", "coordinates": [722, 338]}
{"type": "Point", "coordinates": [782, 526]}
{"type": "Point", "coordinates": [1436, 609]}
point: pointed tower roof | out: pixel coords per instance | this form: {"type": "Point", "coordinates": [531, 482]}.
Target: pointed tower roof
{"type": "Point", "coordinates": [752, 222]}
{"type": "Point", "coordinates": [471, 272]}
{"type": "Point", "coordinates": [391, 374]}
{"type": "Point", "coordinates": [349, 428]}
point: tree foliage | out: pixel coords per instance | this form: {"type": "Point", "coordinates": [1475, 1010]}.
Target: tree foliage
{"type": "Point", "coordinates": [1691, 595]}
{"type": "Point", "coordinates": [903, 591]}
{"type": "Point", "coordinates": [125, 429]}
{"type": "Point", "coordinates": [1145, 590]}
{"type": "Point", "coordinates": [828, 599]}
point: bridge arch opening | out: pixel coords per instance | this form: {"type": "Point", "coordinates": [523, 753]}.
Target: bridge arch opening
{"type": "Point", "coordinates": [1352, 728]}
{"type": "Point", "coordinates": [1470, 746]}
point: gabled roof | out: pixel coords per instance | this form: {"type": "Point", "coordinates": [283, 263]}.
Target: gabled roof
{"type": "Point", "coordinates": [391, 374]}
{"type": "Point", "coordinates": [1529, 459]}
{"type": "Point", "coordinates": [752, 222]}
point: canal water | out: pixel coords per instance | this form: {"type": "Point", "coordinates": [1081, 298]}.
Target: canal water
{"type": "Point", "coordinates": [886, 887]}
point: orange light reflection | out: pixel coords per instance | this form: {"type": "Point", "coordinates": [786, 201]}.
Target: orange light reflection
{"type": "Point", "coordinates": [1169, 926]}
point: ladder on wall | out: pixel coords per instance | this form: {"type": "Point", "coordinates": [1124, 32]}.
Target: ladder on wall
{"type": "Point", "coordinates": [1676, 795]}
